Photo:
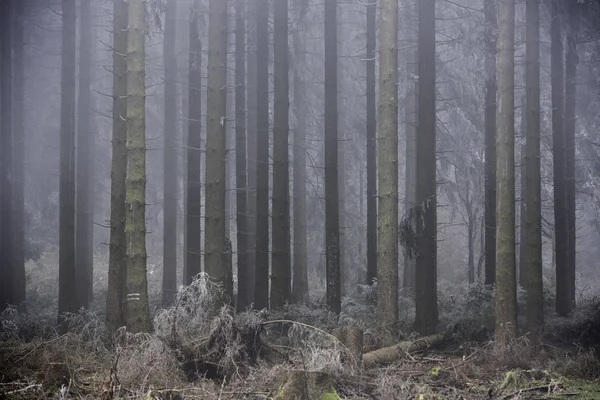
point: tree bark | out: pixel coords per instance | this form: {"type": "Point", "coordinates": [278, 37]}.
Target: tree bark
{"type": "Point", "coordinates": [332, 214]}
{"type": "Point", "coordinates": [387, 219]}
{"type": "Point", "coordinates": [533, 196]}
{"type": "Point", "coordinates": [563, 285]}
{"type": "Point", "coordinates": [388, 355]}
{"type": "Point", "coordinates": [281, 268]}
{"type": "Point", "coordinates": [67, 295]}
{"type": "Point", "coordinates": [261, 288]}
{"type": "Point", "coordinates": [490, 141]}
{"type": "Point", "coordinates": [84, 251]}
{"type": "Point", "coordinates": [137, 312]}
{"type": "Point", "coordinates": [426, 200]}
{"type": "Point", "coordinates": [244, 291]}
{"type": "Point", "coordinates": [371, 146]}
{"type": "Point", "coordinates": [506, 289]}
{"type": "Point", "coordinates": [215, 249]}
{"type": "Point", "coordinates": [194, 153]}
{"type": "Point", "coordinates": [115, 312]}
{"type": "Point", "coordinates": [170, 192]}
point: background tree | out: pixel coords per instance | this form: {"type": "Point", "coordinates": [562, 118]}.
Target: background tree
{"type": "Point", "coordinates": [387, 219]}
{"type": "Point", "coordinates": [137, 311]}
{"type": "Point", "coordinates": [215, 242]}
{"type": "Point", "coordinates": [506, 290]}
{"type": "Point", "coordinates": [115, 311]}
{"type": "Point", "coordinates": [194, 154]}
{"type": "Point", "coordinates": [170, 192]}
{"type": "Point", "coordinates": [332, 216]}
{"type": "Point", "coordinates": [84, 251]}
{"type": "Point", "coordinates": [281, 269]}
{"type": "Point", "coordinates": [426, 200]}
{"type": "Point", "coordinates": [67, 295]}
{"type": "Point", "coordinates": [261, 289]}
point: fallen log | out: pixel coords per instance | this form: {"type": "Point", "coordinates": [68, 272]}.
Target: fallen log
{"type": "Point", "coordinates": [388, 355]}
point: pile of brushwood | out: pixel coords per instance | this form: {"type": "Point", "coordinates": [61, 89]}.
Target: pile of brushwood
{"type": "Point", "coordinates": [200, 351]}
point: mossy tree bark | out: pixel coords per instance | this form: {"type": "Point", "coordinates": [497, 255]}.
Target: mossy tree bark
{"type": "Point", "coordinates": [115, 312]}
{"type": "Point", "coordinates": [490, 141]}
{"type": "Point", "coordinates": [281, 268]}
{"type": "Point", "coordinates": [506, 286]}
{"type": "Point", "coordinates": [387, 218]}
{"type": "Point", "coordinates": [371, 145]}
{"type": "Point", "coordinates": [215, 254]}
{"type": "Point", "coordinates": [170, 179]}
{"type": "Point", "coordinates": [533, 191]}
{"type": "Point", "coordinates": [261, 289]}
{"type": "Point", "coordinates": [426, 199]}
{"type": "Point", "coordinates": [84, 232]}
{"type": "Point", "coordinates": [136, 306]}
{"type": "Point", "coordinates": [194, 154]}
{"type": "Point", "coordinates": [332, 214]}
{"type": "Point", "coordinates": [561, 227]}
{"type": "Point", "coordinates": [67, 295]}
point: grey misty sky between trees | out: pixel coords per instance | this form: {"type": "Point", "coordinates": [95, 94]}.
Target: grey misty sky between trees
{"type": "Point", "coordinates": [299, 151]}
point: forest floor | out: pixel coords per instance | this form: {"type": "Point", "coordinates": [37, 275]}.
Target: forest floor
{"type": "Point", "coordinates": [294, 353]}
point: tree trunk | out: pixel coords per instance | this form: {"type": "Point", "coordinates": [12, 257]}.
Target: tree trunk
{"type": "Point", "coordinates": [387, 219]}
{"type": "Point", "coordinates": [261, 288]}
{"type": "Point", "coordinates": [67, 295]}
{"type": "Point", "coordinates": [136, 307]}
{"type": "Point", "coordinates": [194, 153]}
{"type": "Point", "coordinates": [170, 192]}
{"type": "Point", "coordinates": [523, 211]}
{"type": "Point", "coordinates": [115, 312]}
{"type": "Point", "coordinates": [6, 162]}
{"type": "Point", "coordinates": [281, 269]}
{"type": "Point", "coordinates": [371, 146]}
{"type": "Point", "coordinates": [84, 247]}
{"type": "Point", "coordinates": [332, 214]}
{"type": "Point", "coordinates": [244, 291]}
{"type": "Point", "coordinates": [563, 285]}
{"type": "Point", "coordinates": [506, 286]}
{"type": "Point", "coordinates": [300, 276]}
{"type": "Point", "coordinates": [410, 108]}
{"type": "Point", "coordinates": [391, 354]}
{"type": "Point", "coordinates": [215, 251]}
{"type": "Point", "coordinates": [533, 196]}
{"type": "Point", "coordinates": [426, 200]}
{"type": "Point", "coordinates": [490, 141]}
{"type": "Point", "coordinates": [570, 124]}
{"type": "Point", "coordinates": [19, 280]}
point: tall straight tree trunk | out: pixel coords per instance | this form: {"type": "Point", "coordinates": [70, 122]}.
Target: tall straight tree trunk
{"type": "Point", "coordinates": [506, 285]}
{"type": "Point", "coordinates": [300, 273]}
{"type": "Point", "coordinates": [169, 278]}
{"type": "Point", "coordinates": [136, 307]}
{"type": "Point", "coordinates": [215, 253]}
{"type": "Point", "coordinates": [426, 200]}
{"type": "Point", "coordinates": [245, 290]}
{"type": "Point", "coordinates": [261, 289]}
{"type": "Point", "coordinates": [410, 184]}
{"type": "Point", "coordinates": [570, 124]}
{"type": "Point", "coordinates": [6, 162]}
{"type": "Point", "coordinates": [67, 295]}
{"type": "Point", "coordinates": [490, 141]}
{"type": "Point", "coordinates": [561, 227]}
{"type": "Point", "coordinates": [281, 270]}
{"type": "Point", "coordinates": [194, 153]}
{"type": "Point", "coordinates": [523, 211]}
{"type": "Point", "coordinates": [387, 219]}
{"type": "Point", "coordinates": [84, 254]}
{"type": "Point", "coordinates": [19, 284]}
{"type": "Point", "coordinates": [533, 196]}
{"type": "Point", "coordinates": [332, 214]}
{"type": "Point", "coordinates": [115, 311]}
{"type": "Point", "coordinates": [251, 125]}
{"type": "Point", "coordinates": [371, 146]}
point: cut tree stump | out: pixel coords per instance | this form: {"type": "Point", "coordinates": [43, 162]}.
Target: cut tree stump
{"type": "Point", "coordinates": [305, 385]}
{"type": "Point", "coordinates": [388, 355]}
{"type": "Point", "coordinates": [351, 337]}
